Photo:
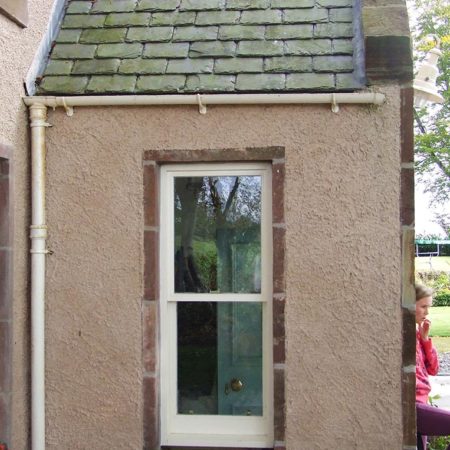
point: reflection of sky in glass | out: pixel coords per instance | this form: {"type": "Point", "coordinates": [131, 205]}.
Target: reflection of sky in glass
{"type": "Point", "coordinates": [247, 201]}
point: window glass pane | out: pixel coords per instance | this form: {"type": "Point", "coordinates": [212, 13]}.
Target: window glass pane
{"type": "Point", "coordinates": [218, 234]}
{"type": "Point", "coordinates": [219, 358]}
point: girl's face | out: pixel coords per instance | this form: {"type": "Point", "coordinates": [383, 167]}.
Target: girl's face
{"type": "Point", "coordinates": [423, 308]}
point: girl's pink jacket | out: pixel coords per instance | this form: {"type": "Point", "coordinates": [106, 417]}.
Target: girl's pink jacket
{"type": "Point", "coordinates": [427, 363]}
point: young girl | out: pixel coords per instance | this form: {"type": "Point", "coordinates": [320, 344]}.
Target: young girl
{"type": "Point", "coordinates": [431, 421]}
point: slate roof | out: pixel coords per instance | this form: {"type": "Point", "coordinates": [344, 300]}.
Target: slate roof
{"type": "Point", "coordinates": [189, 46]}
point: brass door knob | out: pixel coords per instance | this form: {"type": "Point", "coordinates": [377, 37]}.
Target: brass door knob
{"type": "Point", "coordinates": [236, 384]}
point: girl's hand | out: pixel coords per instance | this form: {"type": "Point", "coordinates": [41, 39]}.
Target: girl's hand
{"type": "Point", "coordinates": [424, 329]}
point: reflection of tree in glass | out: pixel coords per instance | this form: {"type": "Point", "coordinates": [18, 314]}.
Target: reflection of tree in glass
{"type": "Point", "coordinates": [236, 198]}
{"type": "Point", "coordinates": [186, 195]}
{"type": "Point", "coordinates": [212, 214]}
{"type": "Point", "coordinates": [197, 348]}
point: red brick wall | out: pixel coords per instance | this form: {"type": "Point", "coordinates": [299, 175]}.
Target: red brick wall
{"type": "Point", "coordinates": [152, 160]}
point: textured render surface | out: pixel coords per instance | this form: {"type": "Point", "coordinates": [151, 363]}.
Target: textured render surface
{"type": "Point", "coordinates": [171, 46]}
{"type": "Point", "coordinates": [17, 48]}
{"type": "Point", "coordinates": [343, 289]}
{"type": "Point", "coordinates": [94, 361]}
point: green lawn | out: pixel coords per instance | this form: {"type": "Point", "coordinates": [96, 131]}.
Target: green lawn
{"type": "Point", "coordinates": [439, 263]}
{"type": "Point", "coordinates": [440, 328]}
{"type": "Point", "coordinates": [442, 344]}
{"type": "Point", "coordinates": [440, 321]}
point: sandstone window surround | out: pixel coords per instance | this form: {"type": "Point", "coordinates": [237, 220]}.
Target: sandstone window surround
{"type": "Point", "coordinates": [154, 161]}
{"type": "Point", "coordinates": [16, 10]}
{"type": "Point", "coordinates": [5, 295]}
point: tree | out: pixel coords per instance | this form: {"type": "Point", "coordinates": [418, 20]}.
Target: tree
{"type": "Point", "coordinates": [443, 220]}
{"type": "Point", "coordinates": [432, 140]}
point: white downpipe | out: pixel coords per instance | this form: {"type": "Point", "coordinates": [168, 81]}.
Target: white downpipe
{"type": "Point", "coordinates": [38, 235]}
{"type": "Point", "coordinates": [202, 100]}
{"type": "Point", "coordinates": [38, 230]}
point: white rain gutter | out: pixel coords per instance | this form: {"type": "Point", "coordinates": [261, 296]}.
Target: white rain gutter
{"type": "Point", "coordinates": [202, 100]}
{"type": "Point", "coordinates": [38, 229]}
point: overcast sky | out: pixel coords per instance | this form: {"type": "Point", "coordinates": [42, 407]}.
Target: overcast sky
{"type": "Point", "coordinates": [425, 214]}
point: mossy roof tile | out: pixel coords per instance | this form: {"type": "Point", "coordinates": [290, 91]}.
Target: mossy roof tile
{"type": "Point", "coordinates": [83, 21]}
{"type": "Point", "coordinates": [288, 64]}
{"type": "Point", "coordinates": [166, 50]}
{"type": "Point", "coordinates": [114, 84]}
{"type": "Point", "coordinates": [158, 5]}
{"type": "Point", "coordinates": [201, 5]}
{"type": "Point", "coordinates": [210, 83]}
{"type": "Point", "coordinates": [73, 51]}
{"type": "Point", "coordinates": [165, 46]}
{"type": "Point", "coordinates": [160, 84]}
{"type": "Point", "coordinates": [59, 67]}
{"type": "Point", "coordinates": [248, 4]}
{"type": "Point", "coordinates": [239, 65]}
{"type": "Point", "coordinates": [260, 48]}
{"type": "Point", "coordinates": [103, 36]}
{"type": "Point", "coordinates": [241, 32]}
{"type": "Point", "coordinates": [127, 19]}
{"type": "Point", "coordinates": [261, 81]}
{"type": "Point", "coordinates": [96, 66]}
{"type": "Point", "coordinates": [191, 34]}
{"type": "Point", "coordinates": [149, 34]}
{"type": "Point", "coordinates": [189, 66]}
{"type": "Point", "coordinates": [79, 7]}
{"type": "Point", "coordinates": [68, 36]}
{"type": "Point", "coordinates": [312, 15]}
{"type": "Point", "coordinates": [335, 64]}
{"type": "Point", "coordinates": [217, 17]}
{"type": "Point", "coordinates": [265, 17]}
{"type": "Point", "coordinates": [63, 84]}
{"type": "Point", "coordinates": [215, 49]}
{"type": "Point", "coordinates": [292, 4]}
{"type": "Point", "coordinates": [342, 46]}
{"type": "Point", "coordinates": [173, 18]}
{"type": "Point", "coordinates": [289, 32]}
{"type": "Point", "coordinates": [143, 66]}
{"type": "Point", "coordinates": [122, 50]}
{"type": "Point", "coordinates": [107, 6]}
{"type": "Point", "coordinates": [348, 81]}
{"type": "Point", "coordinates": [310, 81]}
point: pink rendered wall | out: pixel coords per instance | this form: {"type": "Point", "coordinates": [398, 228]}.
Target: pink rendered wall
{"type": "Point", "coordinates": [343, 266]}
{"type": "Point", "coordinates": [18, 47]}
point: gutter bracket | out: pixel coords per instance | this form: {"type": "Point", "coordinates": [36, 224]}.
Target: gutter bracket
{"type": "Point", "coordinates": [201, 106]}
{"type": "Point", "coordinates": [334, 105]}
{"type": "Point", "coordinates": [69, 109]}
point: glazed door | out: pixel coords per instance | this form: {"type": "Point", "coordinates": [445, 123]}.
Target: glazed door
{"type": "Point", "coordinates": [239, 359]}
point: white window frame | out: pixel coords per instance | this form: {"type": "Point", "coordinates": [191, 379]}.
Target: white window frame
{"type": "Point", "coordinates": [212, 430]}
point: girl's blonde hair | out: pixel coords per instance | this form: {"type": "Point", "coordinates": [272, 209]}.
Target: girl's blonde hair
{"type": "Point", "coordinates": [422, 292]}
